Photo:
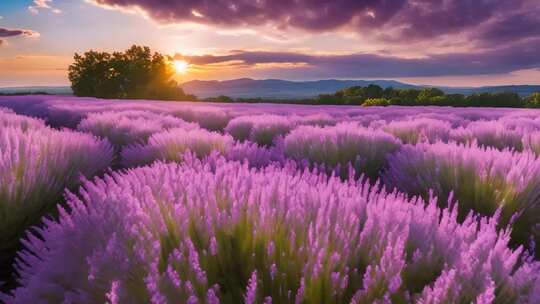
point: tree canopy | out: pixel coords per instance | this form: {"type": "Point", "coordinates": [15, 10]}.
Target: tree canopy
{"type": "Point", "coordinates": [374, 95]}
{"type": "Point", "coordinates": [136, 73]}
{"type": "Point", "coordinates": [533, 101]}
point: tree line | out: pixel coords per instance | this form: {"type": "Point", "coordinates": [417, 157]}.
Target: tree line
{"type": "Point", "coordinates": [137, 73]}
{"type": "Point", "coordinates": [374, 95]}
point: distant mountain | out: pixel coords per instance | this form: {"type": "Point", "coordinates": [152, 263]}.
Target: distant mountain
{"type": "Point", "coordinates": [65, 90]}
{"type": "Point", "coordinates": [276, 88]}
{"type": "Point", "coordinates": [283, 89]}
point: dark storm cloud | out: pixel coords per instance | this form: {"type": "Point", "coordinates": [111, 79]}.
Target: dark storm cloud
{"type": "Point", "coordinates": [4, 32]}
{"type": "Point", "coordinates": [512, 27]}
{"type": "Point", "coordinates": [392, 20]}
{"type": "Point", "coordinates": [522, 55]}
{"type": "Point", "coordinates": [505, 33]}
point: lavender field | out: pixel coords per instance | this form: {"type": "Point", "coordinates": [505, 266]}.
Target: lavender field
{"type": "Point", "coordinates": [105, 201]}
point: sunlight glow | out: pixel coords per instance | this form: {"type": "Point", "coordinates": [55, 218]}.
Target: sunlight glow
{"type": "Point", "coordinates": [181, 66]}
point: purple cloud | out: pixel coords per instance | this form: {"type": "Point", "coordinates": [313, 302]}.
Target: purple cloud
{"type": "Point", "coordinates": [391, 20]}
{"type": "Point", "coordinates": [522, 55]}
{"type": "Point", "coordinates": [249, 58]}
{"type": "Point", "coordinates": [512, 27]}
{"type": "Point", "coordinates": [4, 32]}
{"type": "Point", "coordinates": [38, 5]}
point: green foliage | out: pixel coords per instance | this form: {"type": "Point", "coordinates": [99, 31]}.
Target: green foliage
{"type": "Point", "coordinates": [533, 101]}
{"type": "Point", "coordinates": [376, 102]}
{"type": "Point", "coordinates": [429, 95]}
{"type": "Point", "coordinates": [374, 95]}
{"type": "Point", "coordinates": [135, 73]}
{"type": "Point", "coordinates": [220, 98]}
{"type": "Point", "coordinates": [23, 93]}
{"type": "Point", "coordinates": [408, 95]}
{"type": "Point", "coordinates": [503, 99]}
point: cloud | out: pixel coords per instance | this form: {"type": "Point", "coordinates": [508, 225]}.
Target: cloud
{"type": "Point", "coordinates": [394, 21]}
{"type": "Point", "coordinates": [249, 58]}
{"type": "Point", "coordinates": [42, 4]}
{"type": "Point", "coordinates": [2, 42]}
{"type": "Point", "coordinates": [511, 27]}
{"type": "Point", "coordinates": [361, 65]}
{"type": "Point", "coordinates": [4, 32]}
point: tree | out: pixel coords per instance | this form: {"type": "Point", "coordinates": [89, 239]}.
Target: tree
{"type": "Point", "coordinates": [327, 99]}
{"type": "Point", "coordinates": [220, 98]}
{"type": "Point", "coordinates": [376, 102]}
{"type": "Point", "coordinates": [456, 100]}
{"type": "Point", "coordinates": [373, 91]}
{"type": "Point", "coordinates": [356, 95]}
{"type": "Point", "coordinates": [351, 96]}
{"type": "Point", "coordinates": [90, 74]}
{"type": "Point", "coordinates": [408, 96]}
{"type": "Point", "coordinates": [135, 73]}
{"type": "Point", "coordinates": [533, 101]}
{"type": "Point", "coordinates": [429, 96]}
{"type": "Point", "coordinates": [502, 99]}
{"type": "Point", "coordinates": [390, 92]}
{"type": "Point", "coordinates": [375, 95]}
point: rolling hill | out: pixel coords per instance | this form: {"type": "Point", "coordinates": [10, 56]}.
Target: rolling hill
{"type": "Point", "coordinates": [284, 89]}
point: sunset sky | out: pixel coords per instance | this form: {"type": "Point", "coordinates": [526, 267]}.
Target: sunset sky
{"type": "Point", "coordinates": [438, 42]}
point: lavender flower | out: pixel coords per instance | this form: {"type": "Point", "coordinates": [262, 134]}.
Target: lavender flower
{"type": "Point", "coordinates": [489, 134]}
{"type": "Point", "coordinates": [128, 127]}
{"type": "Point", "coordinates": [256, 155]}
{"type": "Point", "coordinates": [10, 119]}
{"type": "Point", "coordinates": [251, 292]}
{"type": "Point", "coordinates": [170, 146]}
{"type": "Point", "coordinates": [262, 129]}
{"type": "Point", "coordinates": [265, 219]}
{"type": "Point", "coordinates": [331, 242]}
{"type": "Point", "coordinates": [35, 167]}
{"type": "Point", "coordinates": [210, 118]}
{"type": "Point", "coordinates": [531, 141]}
{"type": "Point", "coordinates": [419, 130]}
{"type": "Point", "coordinates": [480, 179]}
{"type": "Point", "coordinates": [337, 147]}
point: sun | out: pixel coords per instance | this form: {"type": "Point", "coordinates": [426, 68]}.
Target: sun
{"type": "Point", "coordinates": [181, 66]}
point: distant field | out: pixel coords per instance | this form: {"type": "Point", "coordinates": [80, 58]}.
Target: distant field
{"type": "Point", "coordinates": [191, 202]}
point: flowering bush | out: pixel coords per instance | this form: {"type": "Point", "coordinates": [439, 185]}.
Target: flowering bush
{"type": "Point", "coordinates": [481, 179]}
{"type": "Point", "coordinates": [210, 118]}
{"type": "Point", "coordinates": [489, 134]}
{"type": "Point", "coordinates": [255, 155]}
{"type": "Point", "coordinates": [531, 141]}
{"type": "Point", "coordinates": [322, 119]}
{"type": "Point", "coordinates": [171, 145]}
{"type": "Point", "coordinates": [128, 127]}
{"type": "Point", "coordinates": [66, 113]}
{"type": "Point", "coordinates": [240, 127]}
{"type": "Point", "coordinates": [10, 119]}
{"type": "Point", "coordinates": [279, 216]}
{"type": "Point", "coordinates": [522, 124]}
{"type": "Point", "coordinates": [262, 129]}
{"type": "Point", "coordinates": [6, 111]}
{"type": "Point", "coordinates": [31, 105]}
{"type": "Point", "coordinates": [36, 166]}
{"type": "Point", "coordinates": [220, 232]}
{"type": "Point", "coordinates": [419, 130]}
{"type": "Point", "coordinates": [452, 118]}
{"type": "Point", "coordinates": [337, 147]}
